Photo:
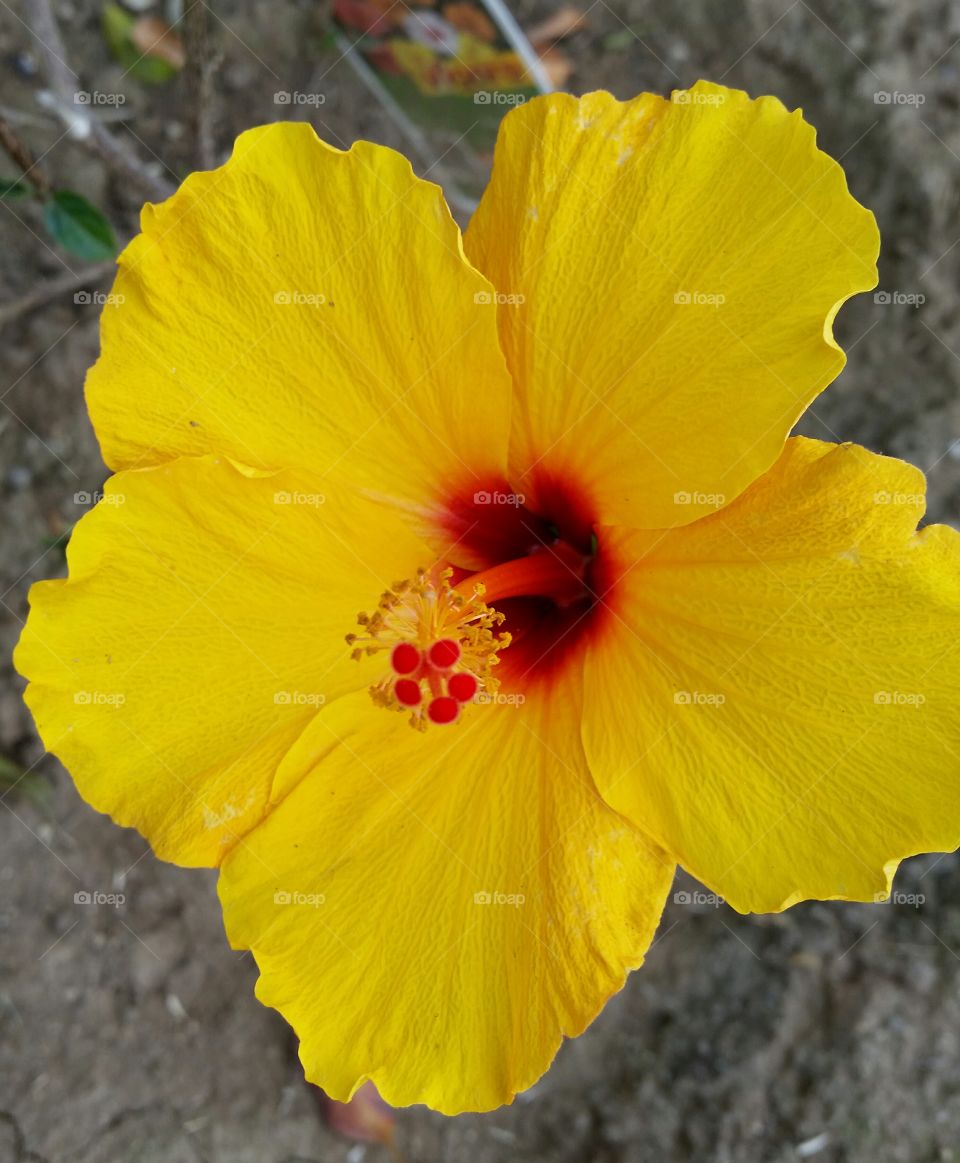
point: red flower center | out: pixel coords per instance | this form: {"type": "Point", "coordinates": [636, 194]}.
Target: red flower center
{"type": "Point", "coordinates": [542, 569]}
{"type": "Point", "coordinates": [448, 629]}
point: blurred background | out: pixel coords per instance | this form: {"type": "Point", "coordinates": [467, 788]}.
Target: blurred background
{"type": "Point", "coordinates": [129, 1031]}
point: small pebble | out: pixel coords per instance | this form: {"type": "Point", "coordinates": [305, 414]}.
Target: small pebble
{"type": "Point", "coordinates": [24, 64]}
{"type": "Point", "coordinates": [813, 1146]}
{"type": "Point", "coordinates": [175, 1007]}
{"type": "Point", "coordinates": [19, 478]}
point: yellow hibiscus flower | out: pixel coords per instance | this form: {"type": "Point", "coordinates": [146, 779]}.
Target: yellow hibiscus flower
{"type": "Point", "coordinates": [727, 649]}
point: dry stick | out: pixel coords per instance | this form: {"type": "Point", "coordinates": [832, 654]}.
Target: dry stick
{"type": "Point", "coordinates": [53, 288]}
{"type": "Point", "coordinates": [18, 151]}
{"type": "Point", "coordinates": [64, 83]}
{"type": "Point", "coordinates": [202, 63]}
{"type": "Point", "coordinates": [21, 156]}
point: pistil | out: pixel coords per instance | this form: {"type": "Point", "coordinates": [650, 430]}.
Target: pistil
{"type": "Point", "coordinates": [556, 571]}
{"type": "Point", "coordinates": [443, 643]}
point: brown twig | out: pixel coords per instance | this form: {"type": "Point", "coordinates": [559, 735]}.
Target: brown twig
{"type": "Point", "coordinates": [53, 288]}
{"type": "Point", "coordinates": [20, 155]}
{"type": "Point", "coordinates": [64, 85]}
{"type": "Point", "coordinates": [202, 63]}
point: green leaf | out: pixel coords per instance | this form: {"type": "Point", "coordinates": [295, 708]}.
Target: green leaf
{"type": "Point", "coordinates": [117, 28]}
{"type": "Point", "coordinates": [78, 227]}
{"type": "Point", "coordinates": [28, 784]}
{"type": "Point", "coordinates": [10, 772]}
{"type": "Point", "coordinates": [326, 41]}
{"type": "Point", "coordinates": [58, 542]}
{"type": "Point", "coordinates": [620, 40]}
{"type": "Point", "coordinates": [117, 23]}
{"type": "Point", "coordinates": [13, 188]}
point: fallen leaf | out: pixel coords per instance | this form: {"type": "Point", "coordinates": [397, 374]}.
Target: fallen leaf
{"type": "Point", "coordinates": [118, 26]}
{"type": "Point", "coordinates": [557, 64]}
{"type": "Point", "coordinates": [561, 23]}
{"type": "Point", "coordinates": [155, 38]}
{"type": "Point", "coordinates": [365, 1118]}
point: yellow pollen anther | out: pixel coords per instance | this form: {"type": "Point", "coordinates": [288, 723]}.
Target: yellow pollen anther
{"type": "Point", "coordinates": [442, 644]}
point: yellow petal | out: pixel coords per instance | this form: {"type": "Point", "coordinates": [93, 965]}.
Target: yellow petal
{"type": "Point", "coordinates": [302, 307]}
{"type": "Point", "coordinates": [434, 911]}
{"type": "Point", "coordinates": [793, 672]}
{"type": "Point", "coordinates": [201, 628]}
{"type": "Point", "coordinates": [669, 273]}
